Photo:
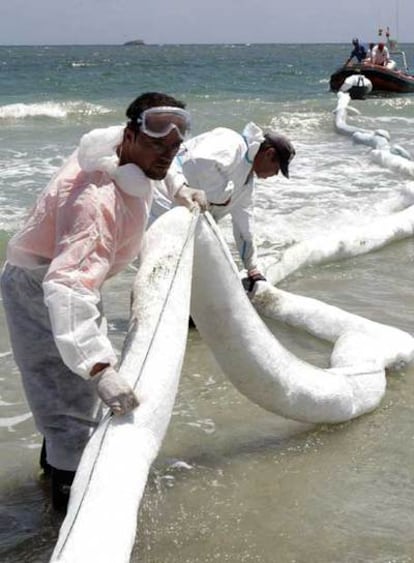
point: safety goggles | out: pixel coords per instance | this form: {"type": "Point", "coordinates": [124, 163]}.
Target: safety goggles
{"type": "Point", "coordinates": [160, 121]}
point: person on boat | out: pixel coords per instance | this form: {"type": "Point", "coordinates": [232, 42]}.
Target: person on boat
{"type": "Point", "coordinates": [369, 52]}
{"type": "Point", "coordinates": [225, 165]}
{"type": "Point", "coordinates": [86, 226]}
{"type": "Point", "coordinates": [380, 55]}
{"type": "Point", "coordinates": [359, 52]}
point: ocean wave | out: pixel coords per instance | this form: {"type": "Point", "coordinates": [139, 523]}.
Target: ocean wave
{"type": "Point", "coordinates": [54, 110]}
{"type": "Point", "coordinates": [394, 119]}
{"type": "Point", "coordinates": [306, 122]}
{"type": "Point", "coordinates": [395, 103]}
{"type": "Point", "coordinates": [81, 64]}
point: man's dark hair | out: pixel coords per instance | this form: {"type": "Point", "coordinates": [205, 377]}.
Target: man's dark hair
{"type": "Point", "coordinates": [284, 150]}
{"type": "Point", "coordinates": [267, 143]}
{"type": "Point", "coordinates": [146, 101]}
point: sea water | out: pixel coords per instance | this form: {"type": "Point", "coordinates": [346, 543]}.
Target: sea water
{"type": "Point", "coordinates": [232, 482]}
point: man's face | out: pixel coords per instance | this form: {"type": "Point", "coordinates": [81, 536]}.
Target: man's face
{"type": "Point", "coordinates": [153, 155]}
{"type": "Point", "coordinates": [266, 163]}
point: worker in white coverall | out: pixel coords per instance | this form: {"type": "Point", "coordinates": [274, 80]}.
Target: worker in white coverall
{"type": "Point", "coordinates": [224, 164]}
{"type": "Point", "coordinates": [380, 55]}
{"type": "Point", "coordinates": [86, 226]}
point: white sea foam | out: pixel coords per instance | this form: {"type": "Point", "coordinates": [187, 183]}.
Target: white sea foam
{"type": "Point", "coordinates": [305, 122]}
{"type": "Point", "coordinates": [81, 64]}
{"type": "Point", "coordinates": [397, 103]}
{"type": "Point", "coordinates": [54, 110]}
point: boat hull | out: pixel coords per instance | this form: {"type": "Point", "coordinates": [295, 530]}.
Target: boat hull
{"type": "Point", "coordinates": [382, 79]}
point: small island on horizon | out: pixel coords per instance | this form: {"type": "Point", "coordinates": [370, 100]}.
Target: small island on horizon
{"type": "Point", "coordinates": [135, 42]}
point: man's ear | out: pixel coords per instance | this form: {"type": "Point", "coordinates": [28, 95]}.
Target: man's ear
{"type": "Point", "coordinates": [129, 135]}
{"type": "Point", "coordinates": [271, 154]}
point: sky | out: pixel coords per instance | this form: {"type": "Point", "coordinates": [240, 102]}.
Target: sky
{"type": "Point", "coordinates": [62, 22]}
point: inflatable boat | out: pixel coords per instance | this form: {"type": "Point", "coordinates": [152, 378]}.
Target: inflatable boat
{"type": "Point", "coordinates": [383, 79]}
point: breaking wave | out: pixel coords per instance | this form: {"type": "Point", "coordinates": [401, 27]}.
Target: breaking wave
{"type": "Point", "coordinates": [54, 110]}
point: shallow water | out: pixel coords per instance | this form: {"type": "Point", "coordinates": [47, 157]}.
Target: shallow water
{"type": "Point", "coordinates": [235, 483]}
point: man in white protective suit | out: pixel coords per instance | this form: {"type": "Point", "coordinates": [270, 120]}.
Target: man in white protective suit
{"type": "Point", "coordinates": [225, 164]}
{"type": "Point", "coordinates": [380, 55]}
{"type": "Point", "coordinates": [86, 226]}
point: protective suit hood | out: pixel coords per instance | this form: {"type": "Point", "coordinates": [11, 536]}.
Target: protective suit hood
{"type": "Point", "coordinates": [97, 151]}
{"type": "Point", "coordinates": [253, 136]}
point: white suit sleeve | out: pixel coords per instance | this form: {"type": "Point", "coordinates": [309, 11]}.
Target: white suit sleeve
{"type": "Point", "coordinates": [174, 180]}
{"type": "Point", "coordinates": [164, 191]}
{"type": "Point", "coordinates": [242, 216]}
{"type": "Point", "coordinates": [79, 335]}
{"type": "Point", "coordinates": [86, 234]}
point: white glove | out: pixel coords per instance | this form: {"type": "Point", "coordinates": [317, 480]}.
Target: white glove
{"type": "Point", "coordinates": [115, 391]}
{"type": "Point", "coordinates": [191, 198]}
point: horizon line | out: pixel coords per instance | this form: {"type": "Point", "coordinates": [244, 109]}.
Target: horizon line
{"type": "Point", "coordinates": [138, 46]}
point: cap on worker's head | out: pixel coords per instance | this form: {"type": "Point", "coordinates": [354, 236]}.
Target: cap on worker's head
{"type": "Point", "coordinates": [284, 149]}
